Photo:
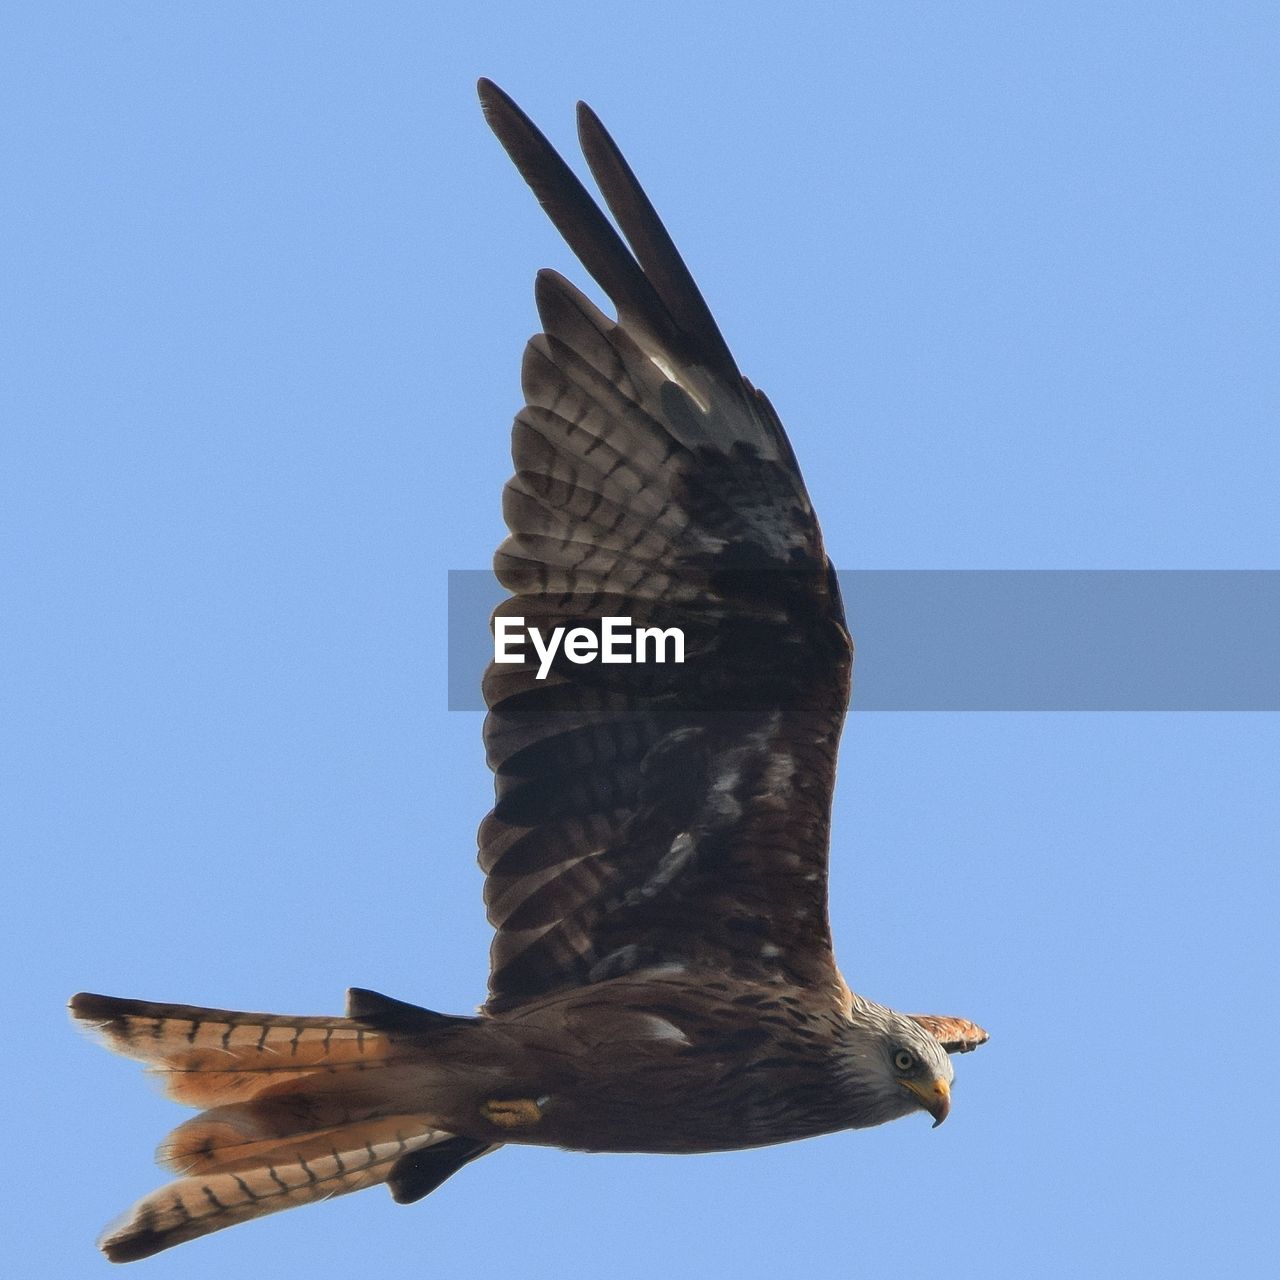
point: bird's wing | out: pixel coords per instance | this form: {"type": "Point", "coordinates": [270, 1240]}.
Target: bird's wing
{"type": "Point", "coordinates": [661, 814]}
{"type": "Point", "coordinates": [955, 1035]}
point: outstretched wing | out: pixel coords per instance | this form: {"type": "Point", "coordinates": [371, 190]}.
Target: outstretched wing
{"type": "Point", "coordinates": [661, 814]}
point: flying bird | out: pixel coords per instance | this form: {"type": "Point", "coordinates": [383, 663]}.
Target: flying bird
{"type": "Point", "coordinates": [662, 976]}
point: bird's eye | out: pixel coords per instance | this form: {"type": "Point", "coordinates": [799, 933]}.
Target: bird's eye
{"type": "Point", "coordinates": [904, 1060]}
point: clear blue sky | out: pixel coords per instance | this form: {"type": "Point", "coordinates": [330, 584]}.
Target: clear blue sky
{"type": "Point", "coordinates": [1008, 272]}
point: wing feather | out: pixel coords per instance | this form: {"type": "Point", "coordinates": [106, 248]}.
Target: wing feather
{"type": "Point", "coordinates": [660, 814]}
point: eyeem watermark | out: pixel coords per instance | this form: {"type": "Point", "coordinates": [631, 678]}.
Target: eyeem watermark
{"type": "Point", "coordinates": [990, 639]}
{"type": "Point", "coordinates": [617, 640]}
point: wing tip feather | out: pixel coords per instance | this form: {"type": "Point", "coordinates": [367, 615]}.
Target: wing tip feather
{"type": "Point", "coordinates": [956, 1035]}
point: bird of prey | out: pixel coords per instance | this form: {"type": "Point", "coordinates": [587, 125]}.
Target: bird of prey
{"type": "Point", "coordinates": [662, 975]}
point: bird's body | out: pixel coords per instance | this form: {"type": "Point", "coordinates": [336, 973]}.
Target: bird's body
{"type": "Point", "coordinates": [662, 974]}
{"type": "Point", "coordinates": [668, 1064]}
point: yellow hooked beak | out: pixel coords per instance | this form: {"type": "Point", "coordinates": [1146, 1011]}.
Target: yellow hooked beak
{"type": "Point", "coordinates": [934, 1097]}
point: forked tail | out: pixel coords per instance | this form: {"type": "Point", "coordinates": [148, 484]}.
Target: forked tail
{"type": "Point", "coordinates": [297, 1110]}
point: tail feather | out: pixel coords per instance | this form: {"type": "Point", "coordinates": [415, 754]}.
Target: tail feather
{"type": "Point", "coordinates": [298, 1109]}
{"type": "Point", "coordinates": [293, 1173]}
{"type": "Point", "coordinates": [228, 1137]}
{"type": "Point", "coordinates": [211, 1057]}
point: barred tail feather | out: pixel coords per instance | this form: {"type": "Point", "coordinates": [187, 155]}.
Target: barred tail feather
{"type": "Point", "coordinates": [287, 1174]}
{"type": "Point", "coordinates": [210, 1057]}
{"type": "Point", "coordinates": [298, 1109]}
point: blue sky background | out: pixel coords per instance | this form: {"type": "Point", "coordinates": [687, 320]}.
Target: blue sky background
{"type": "Point", "coordinates": [1008, 272]}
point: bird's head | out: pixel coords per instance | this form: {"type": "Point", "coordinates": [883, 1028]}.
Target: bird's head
{"type": "Point", "coordinates": [891, 1066]}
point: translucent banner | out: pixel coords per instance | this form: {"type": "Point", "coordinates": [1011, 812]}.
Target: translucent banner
{"type": "Point", "coordinates": [1012, 640]}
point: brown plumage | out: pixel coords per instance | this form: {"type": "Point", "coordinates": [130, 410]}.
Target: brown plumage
{"type": "Point", "coordinates": [662, 975]}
